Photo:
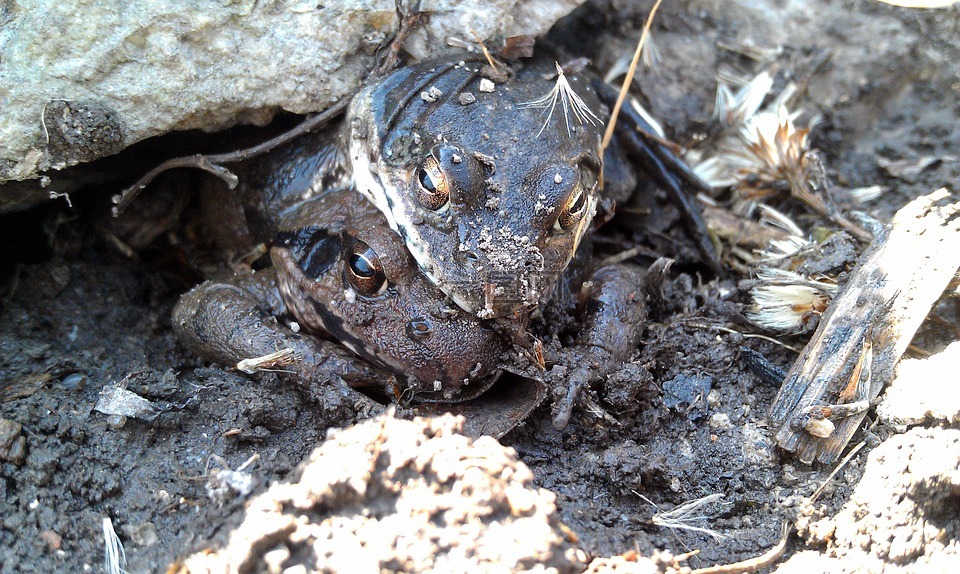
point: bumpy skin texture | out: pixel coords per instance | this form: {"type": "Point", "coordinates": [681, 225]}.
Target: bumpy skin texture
{"type": "Point", "coordinates": [227, 322]}
{"type": "Point", "coordinates": [519, 167]}
{"type": "Point", "coordinates": [407, 327]}
{"type": "Point", "coordinates": [613, 313]}
{"type": "Point", "coordinates": [518, 203]}
{"type": "Point", "coordinates": [502, 239]}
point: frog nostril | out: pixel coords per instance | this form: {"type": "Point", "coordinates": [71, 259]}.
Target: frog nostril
{"type": "Point", "coordinates": [419, 329]}
{"type": "Point", "coordinates": [533, 263]}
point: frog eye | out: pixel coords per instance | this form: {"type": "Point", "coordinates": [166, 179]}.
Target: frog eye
{"type": "Point", "coordinates": [573, 210]}
{"type": "Point", "coordinates": [314, 250]}
{"type": "Point", "coordinates": [364, 270]}
{"type": "Point", "coordinates": [432, 189]}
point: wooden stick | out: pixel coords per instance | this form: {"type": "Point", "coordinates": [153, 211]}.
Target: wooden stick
{"type": "Point", "coordinates": [868, 327]}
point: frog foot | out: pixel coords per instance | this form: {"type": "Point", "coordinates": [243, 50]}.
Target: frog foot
{"type": "Point", "coordinates": [576, 380]}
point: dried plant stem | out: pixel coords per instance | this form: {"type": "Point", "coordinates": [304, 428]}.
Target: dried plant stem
{"type": "Point", "coordinates": [629, 78]}
{"type": "Point", "coordinates": [867, 328]}
{"type": "Point", "coordinates": [211, 163]}
{"type": "Point", "coordinates": [833, 473]}
{"type": "Point", "coordinates": [751, 564]}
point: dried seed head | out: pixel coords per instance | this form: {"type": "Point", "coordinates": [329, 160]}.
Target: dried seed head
{"type": "Point", "coordinates": [788, 302]}
{"type": "Point", "coordinates": [734, 109]}
{"type": "Point", "coordinates": [563, 92]}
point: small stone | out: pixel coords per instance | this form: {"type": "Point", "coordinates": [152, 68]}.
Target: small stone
{"type": "Point", "coordinates": [466, 98]}
{"type": "Point", "coordinates": [144, 534]}
{"type": "Point", "coordinates": [688, 394]}
{"type": "Point", "coordinates": [118, 401]}
{"type": "Point", "coordinates": [74, 382]}
{"type": "Point", "coordinates": [13, 446]}
{"type": "Point", "coordinates": [486, 86]}
{"type": "Point", "coordinates": [431, 95]}
{"type": "Point", "coordinates": [116, 422]}
{"type": "Point", "coordinates": [52, 539]}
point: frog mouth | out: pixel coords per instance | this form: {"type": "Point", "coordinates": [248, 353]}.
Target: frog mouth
{"type": "Point", "coordinates": [416, 391]}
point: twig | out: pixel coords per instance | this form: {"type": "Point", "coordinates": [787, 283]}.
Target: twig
{"type": "Point", "coordinates": [867, 328]}
{"type": "Point", "coordinates": [486, 53]}
{"type": "Point", "coordinates": [211, 163]}
{"type": "Point", "coordinates": [843, 463]}
{"type": "Point", "coordinates": [745, 335]}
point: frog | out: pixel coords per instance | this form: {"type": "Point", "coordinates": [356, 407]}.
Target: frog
{"type": "Point", "coordinates": [355, 315]}
{"type": "Point", "coordinates": [339, 274]}
{"type": "Point", "coordinates": [357, 318]}
{"type": "Point", "coordinates": [540, 206]}
{"type": "Point", "coordinates": [493, 184]}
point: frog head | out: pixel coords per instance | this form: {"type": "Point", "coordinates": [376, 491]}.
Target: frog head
{"type": "Point", "coordinates": [490, 194]}
{"type": "Point", "coordinates": [343, 272]}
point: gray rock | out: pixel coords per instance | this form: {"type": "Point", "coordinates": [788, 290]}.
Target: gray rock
{"type": "Point", "coordinates": [82, 79]}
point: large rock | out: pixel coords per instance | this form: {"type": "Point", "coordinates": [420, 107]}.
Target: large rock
{"type": "Point", "coordinates": [82, 79]}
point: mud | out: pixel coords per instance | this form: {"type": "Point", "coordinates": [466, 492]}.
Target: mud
{"type": "Point", "coordinates": [683, 420]}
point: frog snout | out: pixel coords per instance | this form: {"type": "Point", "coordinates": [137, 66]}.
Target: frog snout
{"type": "Point", "coordinates": [452, 353]}
{"type": "Point", "coordinates": [498, 267]}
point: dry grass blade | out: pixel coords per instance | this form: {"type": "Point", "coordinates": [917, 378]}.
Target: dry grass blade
{"type": "Point", "coordinates": [684, 516]}
{"type": "Point", "coordinates": [629, 78]}
{"type": "Point", "coordinates": [269, 362]}
{"type": "Point", "coordinates": [753, 564]}
{"type": "Point", "coordinates": [115, 557]}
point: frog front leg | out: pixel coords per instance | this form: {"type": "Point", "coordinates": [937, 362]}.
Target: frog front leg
{"type": "Point", "coordinates": [231, 321]}
{"type": "Point", "coordinates": [614, 315]}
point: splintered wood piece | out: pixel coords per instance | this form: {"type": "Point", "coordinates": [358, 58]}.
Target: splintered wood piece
{"type": "Point", "coordinates": [841, 371]}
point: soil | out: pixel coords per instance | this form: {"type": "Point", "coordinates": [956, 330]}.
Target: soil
{"type": "Point", "coordinates": [685, 419]}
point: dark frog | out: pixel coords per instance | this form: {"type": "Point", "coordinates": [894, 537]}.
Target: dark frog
{"type": "Point", "coordinates": [493, 185]}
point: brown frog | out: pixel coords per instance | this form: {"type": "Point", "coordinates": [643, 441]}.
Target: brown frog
{"type": "Point", "coordinates": [339, 273]}
{"type": "Point", "coordinates": [343, 282]}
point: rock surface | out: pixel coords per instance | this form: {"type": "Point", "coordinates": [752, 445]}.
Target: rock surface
{"type": "Point", "coordinates": [82, 79]}
{"type": "Point", "coordinates": [924, 389]}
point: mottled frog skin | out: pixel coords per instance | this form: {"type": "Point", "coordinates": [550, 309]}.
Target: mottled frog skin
{"type": "Point", "coordinates": [340, 274]}
{"type": "Point", "coordinates": [477, 203]}
{"type": "Point", "coordinates": [493, 184]}
{"type": "Point", "coordinates": [491, 206]}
